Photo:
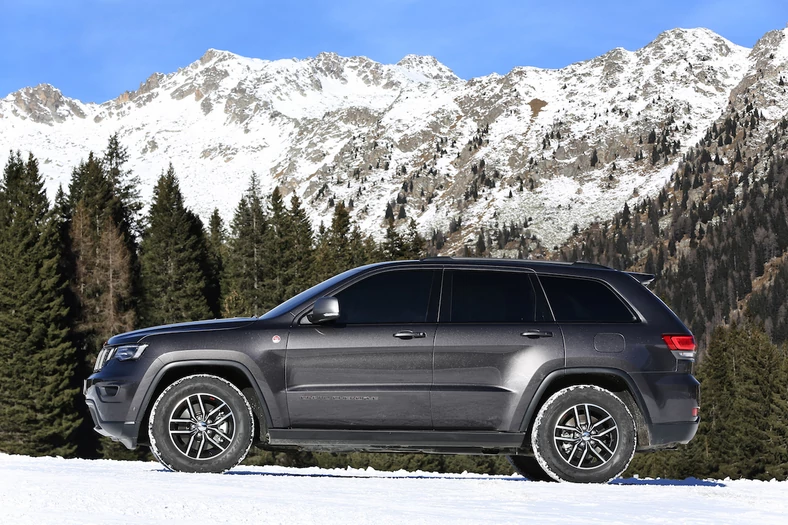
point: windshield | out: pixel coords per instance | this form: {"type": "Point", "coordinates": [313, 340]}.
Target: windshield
{"type": "Point", "coordinates": [311, 293]}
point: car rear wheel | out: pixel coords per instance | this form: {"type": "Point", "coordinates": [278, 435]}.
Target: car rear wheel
{"type": "Point", "coordinates": [584, 434]}
{"type": "Point", "coordinates": [201, 423]}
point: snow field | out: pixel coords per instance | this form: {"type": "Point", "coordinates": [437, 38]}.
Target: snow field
{"type": "Point", "coordinates": [56, 490]}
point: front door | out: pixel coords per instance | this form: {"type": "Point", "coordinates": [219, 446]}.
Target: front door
{"type": "Point", "coordinates": [494, 345]}
{"type": "Point", "coordinates": [372, 368]}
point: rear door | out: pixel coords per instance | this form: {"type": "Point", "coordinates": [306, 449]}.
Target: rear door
{"type": "Point", "coordinates": [495, 343]}
{"type": "Point", "coordinates": [372, 368]}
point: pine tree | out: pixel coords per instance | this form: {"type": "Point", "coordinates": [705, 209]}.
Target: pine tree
{"type": "Point", "coordinates": [747, 436]}
{"type": "Point", "coordinates": [245, 271]}
{"type": "Point", "coordinates": [127, 205]}
{"type": "Point", "coordinates": [173, 259]}
{"type": "Point", "coordinates": [416, 243]}
{"type": "Point", "coordinates": [99, 219]}
{"type": "Point", "coordinates": [217, 252]}
{"type": "Point", "coordinates": [278, 252]}
{"type": "Point", "coordinates": [481, 247]}
{"type": "Point", "coordinates": [38, 414]}
{"type": "Point", "coordinates": [393, 247]}
{"type": "Point", "coordinates": [300, 273]}
{"type": "Point", "coordinates": [777, 456]}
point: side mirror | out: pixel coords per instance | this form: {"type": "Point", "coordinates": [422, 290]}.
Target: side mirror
{"type": "Point", "coordinates": [325, 309]}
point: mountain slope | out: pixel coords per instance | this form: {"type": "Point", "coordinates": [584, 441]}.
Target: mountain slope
{"type": "Point", "coordinates": [542, 149]}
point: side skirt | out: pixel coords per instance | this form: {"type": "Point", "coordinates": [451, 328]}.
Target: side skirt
{"type": "Point", "coordinates": [427, 441]}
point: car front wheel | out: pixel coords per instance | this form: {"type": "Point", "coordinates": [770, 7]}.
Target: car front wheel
{"type": "Point", "coordinates": [201, 423]}
{"type": "Point", "coordinates": [584, 434]}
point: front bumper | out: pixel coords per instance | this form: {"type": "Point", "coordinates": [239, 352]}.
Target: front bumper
{"type": "Point", "coordinates": [108, 403]}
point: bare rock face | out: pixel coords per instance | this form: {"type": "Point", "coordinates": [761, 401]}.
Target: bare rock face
{"type": "Point", "coordinates": [45, 104]}
{"type": "Point", "coordinates": [546, 148]}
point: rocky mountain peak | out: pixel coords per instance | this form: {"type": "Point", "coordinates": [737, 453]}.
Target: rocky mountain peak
{"type": "Point", "coordinates": [536, 150]}
{"type": "Point", "coordinates": [44, 104]}
{"type": "Point", "coordinates": [429, 66]}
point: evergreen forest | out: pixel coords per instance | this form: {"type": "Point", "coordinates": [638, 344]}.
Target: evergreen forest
{"type": "Point", "coordinates": [78, 270]}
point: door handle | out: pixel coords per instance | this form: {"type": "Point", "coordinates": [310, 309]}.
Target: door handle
{"type": "Point", "coordinates": [535, 334]}
{"type": "Point", "coordinates": [409, 334]}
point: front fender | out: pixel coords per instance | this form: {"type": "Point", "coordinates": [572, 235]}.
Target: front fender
{"type": "Point", "coordinates": [206, 360]}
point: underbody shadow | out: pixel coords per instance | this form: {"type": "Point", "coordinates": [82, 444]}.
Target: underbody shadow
{"type": "Point", "coordinates": [688, 482]}
{"type": "Point", "coordinates": [361, 476]}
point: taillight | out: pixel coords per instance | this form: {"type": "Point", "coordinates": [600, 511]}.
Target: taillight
{"type": "Point", "coordinates": [683, 346]}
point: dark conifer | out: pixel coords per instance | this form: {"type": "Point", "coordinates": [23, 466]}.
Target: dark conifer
{"type": "Point", "coordinates": [299, 275]}
{"type": "Point", "coordinates": [104, 284]}
{"type": "Point", "coordinates": [279, 255]}
{"type": "Point", "coordinates": [393, 247]}
{"type": "Point", "coordinates": [173, 259]}
{"type": "Point", "coordinates": [245, 266]}
{"type": "Point", "coordinates": [38, 415]}
{"type": "Point", "coordinates": [217, 252]}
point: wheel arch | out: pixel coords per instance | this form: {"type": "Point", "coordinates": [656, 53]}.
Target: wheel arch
{"type": "Point", "coordinates": [612, 379]}
{"type": "Point", "coordinates": [235, 373]}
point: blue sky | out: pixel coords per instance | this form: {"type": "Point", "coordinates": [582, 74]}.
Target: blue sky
{"type": "Point", "coordinates": [96, 49]}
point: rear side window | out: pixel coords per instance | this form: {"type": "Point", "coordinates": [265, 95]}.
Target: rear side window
{"type": "Point", "coordinates": [401, 296]}
{"type": "Point", "coordinates": [490, 297]}
{"type": "Point", "coordinates": [584, 301]}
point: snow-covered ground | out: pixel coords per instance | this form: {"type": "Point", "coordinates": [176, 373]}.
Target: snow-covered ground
{"type": "Point", "coordinates": [54, 490]}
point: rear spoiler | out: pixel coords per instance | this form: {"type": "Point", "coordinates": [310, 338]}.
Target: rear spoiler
{"type": "Point", "coordinates": [643, 278]}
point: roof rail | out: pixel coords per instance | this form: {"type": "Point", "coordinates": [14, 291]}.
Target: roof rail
{"type": "Point", "coordinates": [643, 278]}
{"type": "Point", "coordinates": [586, 264]}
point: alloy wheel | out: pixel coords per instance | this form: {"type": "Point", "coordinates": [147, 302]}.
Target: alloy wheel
{"type": "Point", "coordinates": [586, 436]}
{"type": "Point", "coordinates": [202, 426]}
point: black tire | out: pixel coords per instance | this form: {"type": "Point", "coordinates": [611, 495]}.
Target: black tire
{"type": "Point", "coordinates": [584, 434]}
{"type": "Point", "coordinates": [529, 467]}
{"type": "Point", "coordinates": [201, 423]}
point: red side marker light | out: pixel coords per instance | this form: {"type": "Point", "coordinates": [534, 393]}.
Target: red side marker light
{"type": "Point", "coordinates": [695, 412]}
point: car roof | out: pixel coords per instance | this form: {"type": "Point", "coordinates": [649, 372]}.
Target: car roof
{"type": "Point", "coordinates": [554, 267]}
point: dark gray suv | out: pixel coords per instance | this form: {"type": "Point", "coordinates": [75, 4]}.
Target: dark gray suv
{"type": "Point", "coordinates": [567, 369]}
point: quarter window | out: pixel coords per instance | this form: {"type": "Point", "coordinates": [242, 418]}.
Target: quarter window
{"type": "Point", "coordinates": [400, 296]}
{"type": "Point", "coordinates": [491, 297]}
{"type": "Point", "coordinates": [584, 301]}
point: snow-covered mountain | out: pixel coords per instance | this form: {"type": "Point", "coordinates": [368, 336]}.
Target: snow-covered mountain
{"type": "Point", "coordinates": [550, 148]}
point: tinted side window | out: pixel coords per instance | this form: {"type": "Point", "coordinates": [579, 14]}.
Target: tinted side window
{"type": "Point", "coordinates": [584, 300]}
{"type": "Point", "coordinates": [391, 297]}
{"type": "Point", "coordinates": [491, 297]}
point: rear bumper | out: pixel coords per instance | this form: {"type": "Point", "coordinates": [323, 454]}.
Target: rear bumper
{"type": "Point", "coordinates": [667, 435]}
{"type": "Point", "coordinates": [671, 401]}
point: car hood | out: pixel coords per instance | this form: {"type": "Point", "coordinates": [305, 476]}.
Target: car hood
{"type": "Point", "coordinates": [199, 326]}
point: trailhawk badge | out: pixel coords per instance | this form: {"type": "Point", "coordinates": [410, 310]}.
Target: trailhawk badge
{"type": "Point", "coordinates": [276, 339]}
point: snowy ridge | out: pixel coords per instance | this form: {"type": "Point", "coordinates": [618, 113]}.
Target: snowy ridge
{"type": "Point", "coordinates": [332, 128]}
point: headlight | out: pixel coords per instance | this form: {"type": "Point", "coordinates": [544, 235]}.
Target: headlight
{"type": "Point", "coordinates": [128, 352]}
{"type": "Point", "coordinates": [121, 353]}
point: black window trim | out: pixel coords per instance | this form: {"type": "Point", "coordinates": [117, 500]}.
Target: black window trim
{"type": "Point", "coordinates": [447, 292]}
{"type": "Point", "coordinates": [303, 310]}
{"type": "Point", "coordinates": [635, 315]}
